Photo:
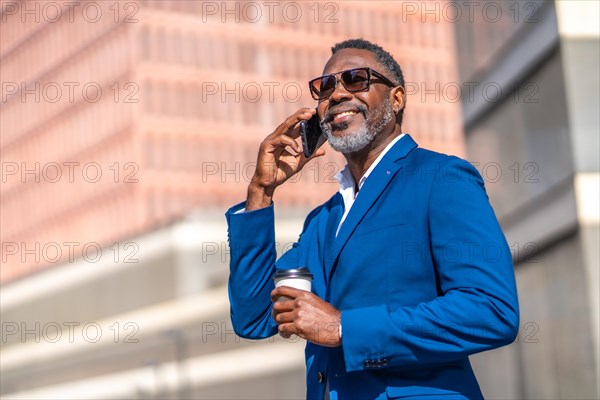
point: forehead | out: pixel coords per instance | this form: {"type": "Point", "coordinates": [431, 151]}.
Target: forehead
{"type": "Point", "coordinates": [350, 58]}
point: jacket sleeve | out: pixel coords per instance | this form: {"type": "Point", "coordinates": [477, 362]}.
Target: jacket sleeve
{"type": "Point", "coordinates": [251, 238]}
{"type": "Point", "coordinates": [476, 308]}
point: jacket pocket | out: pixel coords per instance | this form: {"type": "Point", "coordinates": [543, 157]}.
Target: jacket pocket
{"type": "Point", "coordinates": [365, 227]}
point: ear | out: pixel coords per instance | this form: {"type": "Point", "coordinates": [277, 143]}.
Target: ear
{"type": "Point", "coordinates": [398, 98]}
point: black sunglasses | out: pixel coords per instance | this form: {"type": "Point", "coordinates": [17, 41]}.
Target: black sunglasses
{"type": "Point", "coordinates": [354, 80]}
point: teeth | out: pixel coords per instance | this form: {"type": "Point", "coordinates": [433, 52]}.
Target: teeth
{"type": "Point", "coordinates": [343, 114]}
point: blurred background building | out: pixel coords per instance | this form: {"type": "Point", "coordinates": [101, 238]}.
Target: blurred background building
{"type": "Point", "coordinates": [535, 136]}
{"type": "Point", "coordinates": [128, 128]}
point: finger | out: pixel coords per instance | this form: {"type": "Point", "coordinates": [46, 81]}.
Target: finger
{"type": "Point", "coordinates": [280, 306]}
{"type": "Point", "coordinates": [283, 318]}
{"type": "Point", "coordinates": [276, 294]}
{"type": "Point", "coordinates": [279, 143]}
{"type": "Point", "coordinates": [285, 335]}
{"type": "Point", "coordinates": [288, 163]}
{"type": "Point", "coordinates": [288, 330]}
{"type": "Point", "coordinates": [294, 133]}
{"type": "Point", "coordinates": [318, 153]}
{"type": "Point", "coordinates": [279, 291]}
{"type": "Point", "coordinates": [288, 291]}
{"type": "Point", "coordinates": [302, 160]}
{"type": "Point", "coordinates": [291, 121]}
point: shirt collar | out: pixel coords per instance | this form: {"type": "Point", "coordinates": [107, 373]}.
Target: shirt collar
{"type": "Point", "coordinates": [345, 178]}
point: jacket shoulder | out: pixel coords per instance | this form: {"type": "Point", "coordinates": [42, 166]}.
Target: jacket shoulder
{"type": "Point", "coordinates": [430, 156]}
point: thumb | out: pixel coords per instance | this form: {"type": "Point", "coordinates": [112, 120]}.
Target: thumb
{"type": "Point", "coordinates": [316, 154]}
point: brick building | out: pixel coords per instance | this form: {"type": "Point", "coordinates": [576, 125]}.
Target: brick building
{"type": "Point", "coordinates": [124, 116]}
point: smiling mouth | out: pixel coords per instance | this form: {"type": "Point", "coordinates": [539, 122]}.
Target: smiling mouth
{"type": "Point", "coordinates": [343, 117]}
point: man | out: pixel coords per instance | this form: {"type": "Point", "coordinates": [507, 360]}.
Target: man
{"type": "Point", "coordinates": [412, 273]}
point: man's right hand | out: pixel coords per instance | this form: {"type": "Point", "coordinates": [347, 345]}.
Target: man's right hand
{"type": "Point", "coordinates": [279, 158]}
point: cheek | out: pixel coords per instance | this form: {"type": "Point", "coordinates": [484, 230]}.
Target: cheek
{"type": "Point", "coordinates": [321, 108]}
{"type": "Point", "coordinates": [368, 99]}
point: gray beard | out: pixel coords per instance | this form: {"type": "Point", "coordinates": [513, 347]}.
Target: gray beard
{"type": "Point", "coordinates": [365, 134]}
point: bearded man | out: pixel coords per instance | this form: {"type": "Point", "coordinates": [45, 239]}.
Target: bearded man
{"type": "Point", "coordinates": [412, 273]}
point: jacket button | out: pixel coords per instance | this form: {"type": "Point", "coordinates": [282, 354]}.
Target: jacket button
{"type": "Point", "coordinates": [320, 377]}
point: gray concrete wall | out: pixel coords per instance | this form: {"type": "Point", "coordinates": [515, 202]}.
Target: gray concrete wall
{"type": "Point", "coordinates": [552, 357]}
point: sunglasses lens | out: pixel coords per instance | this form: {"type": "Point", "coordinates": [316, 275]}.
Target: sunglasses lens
{"type": "Point", "coordinates": [314, 88]}
{"type": "Point", "coordinates": [356, 79]}
{"type": "Point", "coordinates": [327, 86]}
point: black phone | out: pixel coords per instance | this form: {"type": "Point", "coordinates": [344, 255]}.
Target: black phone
{"type": "Point", "coordinates": [312, 135]}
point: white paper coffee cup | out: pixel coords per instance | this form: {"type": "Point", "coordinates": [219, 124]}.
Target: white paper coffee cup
{"type": "Point", "coordinates": [299, 278]}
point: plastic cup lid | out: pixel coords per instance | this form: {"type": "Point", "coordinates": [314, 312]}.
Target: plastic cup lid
{"type": "Point", "coordinates": [302, 272]}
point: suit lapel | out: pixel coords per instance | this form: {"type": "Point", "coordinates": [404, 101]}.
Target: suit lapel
{"type": "Point", "coordinates": [373, 187]}
{"type": "Point", "coordinates": [335, 215]}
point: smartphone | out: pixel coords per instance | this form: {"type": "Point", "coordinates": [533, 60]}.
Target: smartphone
{"type": "Point", "coordinates": [312, 136]}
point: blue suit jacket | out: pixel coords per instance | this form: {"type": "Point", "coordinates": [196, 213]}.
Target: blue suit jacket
{"type": "Point", "coordinates": [420, 270]}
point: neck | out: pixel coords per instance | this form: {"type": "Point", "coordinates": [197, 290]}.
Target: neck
{"type": "Point", "coordinates": [359, 162]}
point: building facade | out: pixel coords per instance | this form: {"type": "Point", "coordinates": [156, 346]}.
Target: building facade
{"type": "Point", "coordinates": [535, 135]}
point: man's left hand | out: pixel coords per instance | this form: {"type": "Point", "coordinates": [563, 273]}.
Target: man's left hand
{"type": "Point", "coordinates": [307, 316]}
